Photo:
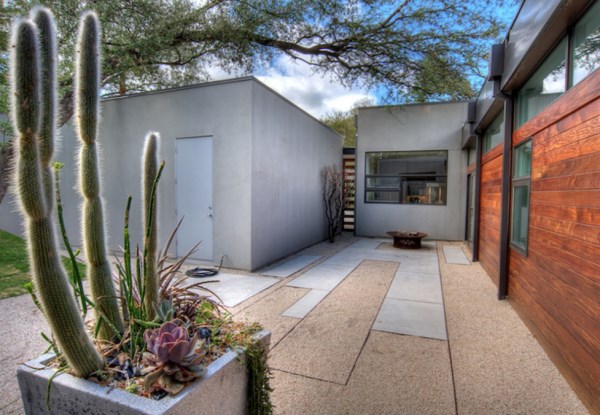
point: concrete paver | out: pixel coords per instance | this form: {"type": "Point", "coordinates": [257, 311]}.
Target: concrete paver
{"type": "Point", "coordinates": [455, 255]}
{"type": "Point", "coordinates": [304, 305]}
{"type": "Point", "coordinates": [416, 286]}
{"type": "Point", "coordinates": [325, 276]}
{"type": "Point", "coordinates": [233, 289]}
{"type": "Point", "coordinates": [291, 266]}
{"type": "Point", "coordinates": [413, 318]}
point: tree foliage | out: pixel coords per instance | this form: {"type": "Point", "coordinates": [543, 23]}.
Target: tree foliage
{"type": "Point", "coordinates": [409, 47]}
{"type": "Point", "coordinates": [344, 122]}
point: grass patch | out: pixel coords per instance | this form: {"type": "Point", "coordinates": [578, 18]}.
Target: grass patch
{"type": "Point", "coordinates": [14, 265]}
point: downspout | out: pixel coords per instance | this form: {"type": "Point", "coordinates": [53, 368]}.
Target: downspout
{"type": "Point", "coordinates": [476, 196]}
{"type": "Point", "coordinates": [505, 197]}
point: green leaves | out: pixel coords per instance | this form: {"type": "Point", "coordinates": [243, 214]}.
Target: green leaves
{"type": "Point", "coordinates": [395, 46]}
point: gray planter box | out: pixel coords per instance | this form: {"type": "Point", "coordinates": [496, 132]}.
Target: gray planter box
{"type": "Point", "coordinates": [223, 390]}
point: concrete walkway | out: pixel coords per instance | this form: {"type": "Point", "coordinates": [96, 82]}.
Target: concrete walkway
{"type": "Point", "coordinates": [359, 327]}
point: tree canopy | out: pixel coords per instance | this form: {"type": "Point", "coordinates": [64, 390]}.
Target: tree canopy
{"type": "Point", "coordinates": [344, 122]}
{"type": "Point", "coordinates": [414, 49]}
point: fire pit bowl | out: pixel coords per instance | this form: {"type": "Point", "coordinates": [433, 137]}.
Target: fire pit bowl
{"type": "Point", "coordinates": [407, 240]}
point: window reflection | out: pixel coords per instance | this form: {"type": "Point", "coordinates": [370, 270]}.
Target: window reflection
{"type": "Point", "coordinates": [585, 49]}
{"type": "Point", "coordinates": [544, 87]}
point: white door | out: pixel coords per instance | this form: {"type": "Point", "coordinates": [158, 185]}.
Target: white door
{"type": "Point", "coordinates": [194, 191]}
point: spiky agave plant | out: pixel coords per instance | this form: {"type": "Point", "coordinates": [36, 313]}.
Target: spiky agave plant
{"type": "Point", "coordinates": [35, 187]}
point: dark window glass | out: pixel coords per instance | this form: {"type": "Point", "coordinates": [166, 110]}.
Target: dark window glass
{"type": "Point", "coordinates": [494, 134]}
{"type": "Point", "coordinates": [411, 177]}
{"type": "Point", "coordinates": [544, 87]}
{"type": "Point", "coordinates": [520, 196]}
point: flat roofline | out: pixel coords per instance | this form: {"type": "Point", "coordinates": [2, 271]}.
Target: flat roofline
{"type": "Point", "coordinates": [413, 104]}
{"type": "Point", "coordinates": [179, 88]}
{"type": "Point", "coordinates": [250, 78]}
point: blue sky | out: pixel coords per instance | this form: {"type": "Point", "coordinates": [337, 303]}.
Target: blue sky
{"type": "Point", "coordinates": [320, 95]}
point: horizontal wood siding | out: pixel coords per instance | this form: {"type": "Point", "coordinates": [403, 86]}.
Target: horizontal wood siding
{"type": "Point", "coordinates": [556, 286]}
{"type": "Point", "coordinates": [489, 213]}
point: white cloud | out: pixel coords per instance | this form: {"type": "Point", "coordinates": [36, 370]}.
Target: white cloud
{"type": "Point", "coordinates": [315, 93]}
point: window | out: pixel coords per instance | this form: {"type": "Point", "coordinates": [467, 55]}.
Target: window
{"type": "Point", "coordinates": [494, 134]}
{"type": "Point", "coordinates": [544, 87]}
{"type": "Point", "coordinates": [585, 49]}
{"type": "Point", "coordinates": [409, 177]}
{"type": "Point", "coordinates": [549, 82]}
{"type": "Point", "coordinates": [521, 186]}
{"type": "Point", "coordinates": [471, 156]}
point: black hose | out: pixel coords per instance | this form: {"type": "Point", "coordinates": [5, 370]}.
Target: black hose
{"type": "Point", "coordinates": [204, 272]}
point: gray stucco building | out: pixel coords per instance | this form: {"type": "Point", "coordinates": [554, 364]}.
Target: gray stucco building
{"type": "Point", "coordinates": [410, 170]}
{"type": "Point", "coordinates": [242, 165]}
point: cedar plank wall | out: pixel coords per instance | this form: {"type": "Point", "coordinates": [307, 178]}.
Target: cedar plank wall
{"type": "Point", "coordinates": [556, 287]}
{"type": "Point", "coordinates": [489, 211]}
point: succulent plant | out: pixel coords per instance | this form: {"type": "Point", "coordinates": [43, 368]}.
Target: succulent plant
{"type": "Point", "coordinates": [172, 358]}
{"type": "Point", "coordinates": [165, 311]}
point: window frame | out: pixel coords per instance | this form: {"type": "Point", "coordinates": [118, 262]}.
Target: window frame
{"type": "Point", "coordinates": [402, 179]}
{"type": "Point", "coordinates": [520, 182]}
{"type": "Point", "coordinates": [567, 35]}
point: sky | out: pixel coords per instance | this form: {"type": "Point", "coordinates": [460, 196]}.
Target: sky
{"type": "Point", "coordinates": [317, 94]}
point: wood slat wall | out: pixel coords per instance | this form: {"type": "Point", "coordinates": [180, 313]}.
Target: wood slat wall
{"type": "Point", "coordinates": [556, 286]}
{"type": "Point", "coordinates": [489, 211]}
{"type": "Point", "coordinates": [349, 168]}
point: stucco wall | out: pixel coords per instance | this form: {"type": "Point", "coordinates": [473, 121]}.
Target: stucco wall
{"type": "Point", "coordinates": [289, 150]}
{"type": "Point", "coordinates": [220, 109]}
{"type": "Point", "coordinates": [413, 128]}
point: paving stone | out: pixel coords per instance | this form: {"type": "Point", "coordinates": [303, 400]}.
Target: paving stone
{"type": "Point", "coordinates": [232, 289]}
{"type": "Point", "coordinates": [416, 287]}
{"type": "Point", "coordinates": [305, 305]}
{"type": "Point", "coordinates": [413, 318]}
{"type": "Point", "coordinates": [455, 255]}
{"type": "Point", "coordinates": [325, 276]}
{"type": "Point", "coordinates": [423, 265]}
{"type": "Point", "coordinates": [291, 267]}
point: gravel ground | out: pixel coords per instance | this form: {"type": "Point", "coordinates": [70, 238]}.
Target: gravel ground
{"type": "Point", "coordinates": [332, 362]}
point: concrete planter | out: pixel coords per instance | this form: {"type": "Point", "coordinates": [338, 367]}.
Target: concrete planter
{"type": "Point", "coordinates": [222, 390]}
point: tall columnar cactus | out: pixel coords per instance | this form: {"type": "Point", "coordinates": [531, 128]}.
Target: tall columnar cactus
{"type": "Point", "coordinates": [87, 87]}
{"type": "Point", "coordinates": [149, 213]}
{"type": "Point", "coordinates": [27, 104]}
{"type": "Point", "coordinates": [44, 21]}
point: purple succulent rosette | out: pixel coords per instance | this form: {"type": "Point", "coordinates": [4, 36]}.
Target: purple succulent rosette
{"type": "Point", "coordinates": [172, 358]}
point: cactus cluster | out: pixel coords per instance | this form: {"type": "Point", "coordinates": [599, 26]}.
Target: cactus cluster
{"type": "Point", "coordinates": [34, 126]}
{"type": "Point", "coordinates": [33, 87]}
